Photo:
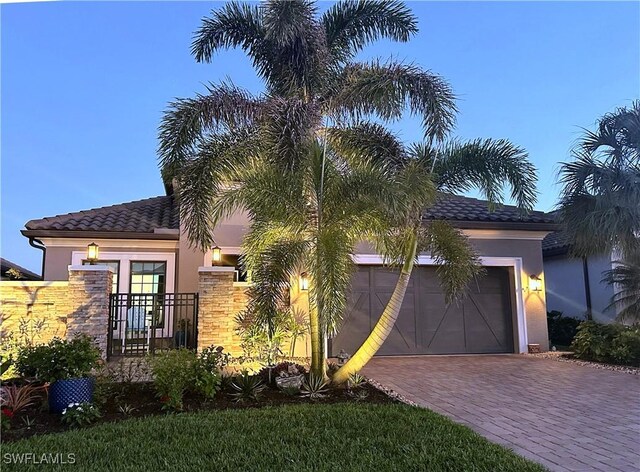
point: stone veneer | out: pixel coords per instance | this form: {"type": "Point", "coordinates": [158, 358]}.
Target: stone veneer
{"type": "Point", "coordinates": [80, 305]}
{"type": "Point", "coordinates": [220, 300]}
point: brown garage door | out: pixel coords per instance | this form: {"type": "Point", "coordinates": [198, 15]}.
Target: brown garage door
{"type": "Point", "coordinates": [480, 323]}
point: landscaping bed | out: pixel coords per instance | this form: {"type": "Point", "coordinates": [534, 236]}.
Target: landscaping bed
{"type": "Point", "coordinates": [567, 356]}
{"type": "Point", "coordinates": [133, 400]}
{"type": "Point", "coordinates": [344, 436]}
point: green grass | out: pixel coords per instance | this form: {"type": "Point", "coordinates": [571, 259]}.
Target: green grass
{"type": "Point", "coordinates": [343, 437]}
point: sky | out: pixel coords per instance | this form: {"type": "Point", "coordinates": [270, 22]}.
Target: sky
{"type": "Point", "coordinates": [83, 86]}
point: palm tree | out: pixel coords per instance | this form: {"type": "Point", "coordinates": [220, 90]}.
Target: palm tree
{"type": "Point", "coordinates": [600, 203]}
{"type": "Point", "coordinates": [626, 276]}
{"type": "Point", "coordinates": [307, 64]}
{"type": "Point", "coordinates": [452, 168]}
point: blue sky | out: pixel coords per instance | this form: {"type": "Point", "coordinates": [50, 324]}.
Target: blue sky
{"type": "Point", "coordinates": [84, 86]}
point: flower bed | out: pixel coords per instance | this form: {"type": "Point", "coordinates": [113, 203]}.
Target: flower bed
{"type": "Point", "coordinates": [129, 400]}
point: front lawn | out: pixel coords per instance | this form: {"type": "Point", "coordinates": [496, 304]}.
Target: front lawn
{"type": "Point", "coordinates": [349, 437]}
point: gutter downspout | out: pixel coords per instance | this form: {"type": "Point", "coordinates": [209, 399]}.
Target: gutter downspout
{"type": "Point", "coordinates": [36, 243]}
{"type": "Point", "coordinates": [587, 288]}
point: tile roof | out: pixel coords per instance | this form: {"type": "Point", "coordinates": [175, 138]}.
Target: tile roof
{"type": "Point", "coordinates": [466, 209]}
{"type": "Point", "coordinates": [141, 216]}
{"type": "Point", "coordinates": [144, 216]}
{"type": "Point", "coordinates": [556, 243]}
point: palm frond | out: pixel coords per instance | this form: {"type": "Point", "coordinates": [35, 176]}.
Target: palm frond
{"type": "Point", "coordinates": [187, 121]}
{"type": "Point", "coordinates": [367, 141]}
{"type": "Point", "coordinates": [625, 278]}
{"type": "Point", "coordinates": [234, 25]}
{"type": "Point", "coordinates": [484, 164]}
{"type": "Point", "coordinates": [457, 262]}
{"type": "Point", "coordinates": [600, 201]}
{"type": "Point", "coordinates": [388, 89]}
{"type": "Point", "coordinates": [352, 24]}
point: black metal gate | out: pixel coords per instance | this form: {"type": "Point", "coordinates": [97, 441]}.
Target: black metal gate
{"type": "Point", "coordinates": [144, 323]}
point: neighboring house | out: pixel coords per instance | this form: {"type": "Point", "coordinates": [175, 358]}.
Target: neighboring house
{"type": "Point", "coordinates": [11, 271]}
{"type": "Point", "coordinates": [142, 241]}
{"type": "Point", "coordinates": [574, 284]}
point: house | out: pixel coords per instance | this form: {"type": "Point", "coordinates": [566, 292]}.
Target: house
{"type": "Point", "coordinates": [574, 285]}
{"type": "Point", "coordinates": [12, 271]}
{"type": "Point", "coordinates": [505, 310]}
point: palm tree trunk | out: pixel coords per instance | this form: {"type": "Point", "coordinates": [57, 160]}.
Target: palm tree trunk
{"type": "Point", "coordinates": [384, 325]}
{"type": "Point", "coordinates": [318, 366]}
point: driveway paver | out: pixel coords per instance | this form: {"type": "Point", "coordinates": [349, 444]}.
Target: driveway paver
{"type": "Point", "coordinates": [565, 416]}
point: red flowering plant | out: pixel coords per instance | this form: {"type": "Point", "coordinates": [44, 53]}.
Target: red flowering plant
{"type": "Point", "coordinates": [5, 418]}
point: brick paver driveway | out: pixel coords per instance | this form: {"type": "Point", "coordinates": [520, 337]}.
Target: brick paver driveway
{"type": "Point", "coordinates": [565, 416]}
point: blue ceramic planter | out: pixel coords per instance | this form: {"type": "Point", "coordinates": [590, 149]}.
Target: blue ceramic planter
{"type": "Point", "coordinates": [64, 392]}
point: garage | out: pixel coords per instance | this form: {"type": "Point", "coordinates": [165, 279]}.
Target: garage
{"type": "Point", "coordinates": [481, 323]}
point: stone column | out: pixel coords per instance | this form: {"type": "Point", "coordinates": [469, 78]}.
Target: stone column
{"type": "Point", "coordinates": [89, 290]}
{"type": "Point", "coordinates": [216, 309]}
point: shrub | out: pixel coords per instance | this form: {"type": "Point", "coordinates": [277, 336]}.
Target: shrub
{"type": "Point", "coordinates": [613, 343]}
{"type": "Point", "coordinates": [80, 414]}
{"type": "Point", "coordinates": [562, 329]}
{"type": "Point", "coordinates": [207, 382]}
{"type": "Point", "coordinates": [626, 347]}
{"type": "Point", "coordinates": [173, 373]}
{"type": "Point", "coordinates": [59, 359]}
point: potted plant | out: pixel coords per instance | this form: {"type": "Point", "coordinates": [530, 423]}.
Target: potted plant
{"type": "Point", "coordinates": [66, 365]}
{"type": "Point", "coordinates": [182, 336]}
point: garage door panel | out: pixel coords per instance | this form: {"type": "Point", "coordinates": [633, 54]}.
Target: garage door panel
{"type": "Point", "coordinates": [447, 336]}
{"type": "Point", "coordinates": [485, 331]}
{"type": "Point", "coordinates": [356, 324]}
{"type": "Point", "coordinates": [403, 335]}
{"type": "Point", "coordinates": [480, 323]}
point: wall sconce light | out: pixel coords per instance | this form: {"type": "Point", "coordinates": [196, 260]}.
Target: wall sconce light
{"type": "Point", "coordinates": [216, 256]}
{"type": "Point", "coordinates": [535, 283]}
{"type": "Point", "coordinates": [304, 281]}
{"type": "Point", "coordinates": [93, 253]}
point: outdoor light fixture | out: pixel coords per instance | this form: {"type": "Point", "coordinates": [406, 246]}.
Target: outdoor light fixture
{"type": "Point", "coordinates": [304, 281]}
{"type": "Point", "coordinates": [535, 283]}
{"type": "Point", "coordinates": [93, 252]}
{"type": "Point", "coordinates": [216, 255]}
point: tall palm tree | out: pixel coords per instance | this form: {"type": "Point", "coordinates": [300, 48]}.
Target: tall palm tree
{"type": "Point", "coordinates": [307, 64]}
{"type": "Point", "coordinates": [600, 202]}
{"type": "Point", "coordinates": [456, 167]}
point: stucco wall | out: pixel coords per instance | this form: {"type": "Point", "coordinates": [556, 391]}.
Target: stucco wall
{"type": "Point", "coordinates": [58, 258]}
{"type": "Point", "coordinates": [566, 286]}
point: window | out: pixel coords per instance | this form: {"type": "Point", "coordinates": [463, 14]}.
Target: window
{"type": "Point", "coordinates": [115, 265]}
{"type": "Point", "coordinates": [147, 280]}
{"type": "Point", "coordinates": [148, 277]}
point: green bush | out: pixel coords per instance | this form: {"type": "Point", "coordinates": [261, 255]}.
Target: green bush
{"type": "Point", "coordinates": [178, 371]}
{"type": "Point", "coordinates": [173, 373]}
{"type": "Point", "coordinates": [612, 343]}
{"type": "Point", "coordinates": [59, 359]}
{"type": "Point", "coordinates": [562, 329]}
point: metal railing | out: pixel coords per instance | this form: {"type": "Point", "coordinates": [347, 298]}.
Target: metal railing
{"type": "Point", "coordinates": [145, 323]}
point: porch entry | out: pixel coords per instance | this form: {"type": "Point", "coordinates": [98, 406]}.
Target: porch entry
{"type": "Point", "coordinates": [145, 323]}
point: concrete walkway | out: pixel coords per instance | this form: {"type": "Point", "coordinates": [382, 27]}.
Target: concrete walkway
{"type": "Point", "coordinates": [565, 416]}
